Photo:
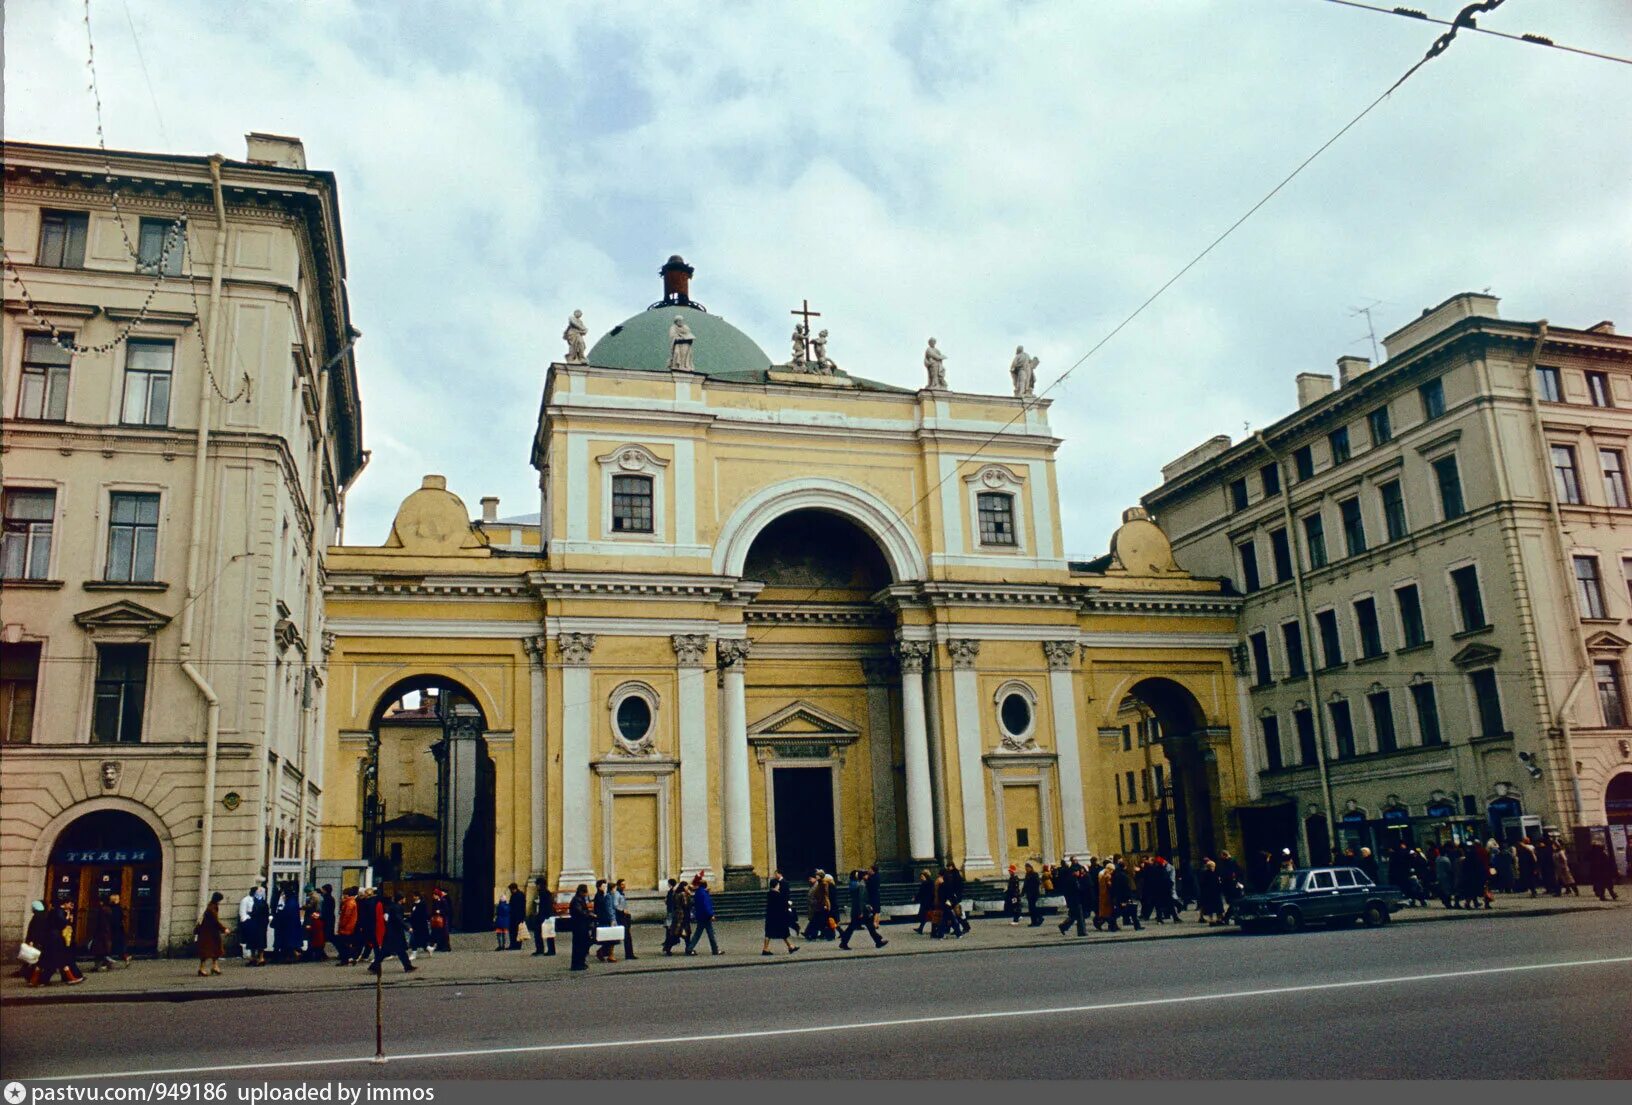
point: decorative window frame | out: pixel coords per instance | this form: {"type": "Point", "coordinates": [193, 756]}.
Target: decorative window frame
{"type": "Point", "coordinates": [1025, 741]}
{"type": "Point", "coordinates": [647, 744]}
{"type": "Point", "coordinates": [630, 459]}
{"type": "Point", "coordinates": [1000, 479]}
{"type": "Point", "coordinates": [98, 579]}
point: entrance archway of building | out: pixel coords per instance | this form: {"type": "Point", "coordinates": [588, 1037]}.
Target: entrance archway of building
{"type": "Point", "coordinates": [803, 830]}
{"type": "Point", "coordinates": [103, 847]}
{"type": "Point", "coordinates": [862, 507]}
{"type": "Point", "coordinates": [465, 818]}
{"type": "Point", "coordinates": [1618, 800]}
{"type": "Point", "coordinates": [1187, 805]}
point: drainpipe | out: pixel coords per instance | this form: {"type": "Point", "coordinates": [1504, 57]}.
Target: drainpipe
{"type": "Point", "coordinates": [1306, 620]}
{"type": "Point", "coordinates": [195, 549]}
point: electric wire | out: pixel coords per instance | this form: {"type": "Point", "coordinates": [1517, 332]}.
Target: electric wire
{"type": "Point", "coordinates": [1529, 39]}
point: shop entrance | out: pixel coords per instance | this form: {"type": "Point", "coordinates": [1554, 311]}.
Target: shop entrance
{"type": "Point", "coordinates": [105, 853]}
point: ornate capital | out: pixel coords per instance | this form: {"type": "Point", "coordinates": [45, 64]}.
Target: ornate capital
{"type": "Point", "coordinates": [963, 650]}
{"type": "Point", "coordinates": [1060, 654]}
{"type": "Point", "coordinates": [913, 655]}
{"type": "Point", "coordinates": [731, 651]}
{"type": "Point", "coordinates": [690, 649]}
{"type": "Point", "coordinates": [535, 647]}
{"type": "Point", "coordinates": [576, 647]}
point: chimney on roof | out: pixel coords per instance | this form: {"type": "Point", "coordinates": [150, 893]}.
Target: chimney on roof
{"type": "Point", "coordinates": [677, 281]}
{"type": "Point", "coordinates": [279, 150]}
{"type": "Point", "coordinates": [1604, 327]}
{"type": "Point", "coordinates": [1351, 368]}
{"type": "Point", "coordinates": [490, 508]}
{"type": "Point", "coordinates": [1313, 386]}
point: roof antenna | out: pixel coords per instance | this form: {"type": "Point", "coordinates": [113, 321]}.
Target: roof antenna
{"type": "Point", "coordinates": [1371, 329]}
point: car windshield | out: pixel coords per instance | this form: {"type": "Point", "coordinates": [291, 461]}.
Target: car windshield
{"type": "Point", "coordinates": [1286, 880]}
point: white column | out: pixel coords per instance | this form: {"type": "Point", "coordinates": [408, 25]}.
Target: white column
{"type": "Point", "coordinates": [739, 841]}
{"type": "Point", "coordinates": [977, 848]}
{"type": "Point", "coordinates": [691, 651]}
{"type": "Point", "coordinates": [878, 673]}
{"type": "Point", "coordinates": [915, 746]}
{"type": "Point", "coordinates": [1062, 696]}
{"type": "Point", "coordinates": [576, 865]}
{"type": "Point", "coordinates": [539, 752]}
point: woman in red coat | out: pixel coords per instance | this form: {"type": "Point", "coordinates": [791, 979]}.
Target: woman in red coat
{"type": "Point", "coordinates": [211, 935]}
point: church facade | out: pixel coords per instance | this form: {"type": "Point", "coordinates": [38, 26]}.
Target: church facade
{"type": "Point", "coordinates": [768, 617]}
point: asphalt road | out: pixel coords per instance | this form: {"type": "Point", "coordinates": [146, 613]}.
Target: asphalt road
{"type": "Point", "coordinates": [1541, 997]}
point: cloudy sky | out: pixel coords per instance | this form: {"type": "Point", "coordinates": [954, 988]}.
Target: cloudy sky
{"type": "Point", "coordinates": [988, 173]}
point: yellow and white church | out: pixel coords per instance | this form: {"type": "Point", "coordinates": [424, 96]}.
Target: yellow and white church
{"type": "Point", "coordinates": [769, 617]}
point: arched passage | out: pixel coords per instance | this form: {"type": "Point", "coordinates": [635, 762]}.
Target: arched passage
{"type": "Point", "coordinates": [106, 858]}
{"type": "Point", "coordinates": [863, 508]}
{"type": "Point", "coordinates": [1184, 788]}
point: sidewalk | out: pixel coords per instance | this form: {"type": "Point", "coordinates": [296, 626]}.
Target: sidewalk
{"type": "Point", "coordinates": [473, 962]}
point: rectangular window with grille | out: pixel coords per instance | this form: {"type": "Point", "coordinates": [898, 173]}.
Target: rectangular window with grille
{"type": "Point", "coordinates": [19, 680]}
{"type": "Point", "coordinates": [996, 518]}
{"type": "Point", "coordinates": [147, 382]}
{"type": "Point", "coordinates": [133, 536]}
{"type": "Point", "coordinates": [1547, 385]}
{"type": "Point", "coordinates": [44, 387]}
{"type": "Point", "coordinates": [25, 550]}
{"type": "Point", "coordinates": [631, 504]}
{"type": "Point", "coordinates": [62, 238]}
{"type": "Point", "coordinates": [121, 693]}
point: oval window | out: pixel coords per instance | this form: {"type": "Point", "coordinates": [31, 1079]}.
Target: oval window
{"type": "Point", "coordinates": [634, 718]}
{"type": "Point", "coordinates": [1016, 714]}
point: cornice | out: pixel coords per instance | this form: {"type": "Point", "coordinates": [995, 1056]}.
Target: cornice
{"type": "Point", "coordinates": [1160, 603]}
{"type": "Point", "coordinates": [629, 585]}
{"type": "Point", "coordinates": [856, 614]}
{"type": "Point", "coordinates": [345, 583]}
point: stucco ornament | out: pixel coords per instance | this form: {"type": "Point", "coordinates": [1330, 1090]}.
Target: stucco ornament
{"type": "Point", "coordinates": [433, 521]}
{"type": "Point", "coordinates": [934, 366]}
{"type": "Point", "coordinates": [1140, 548]}
{"type": "Point", "coordinates": [111, 770]}
{"type": "Point", "coordinates": [690, 649]}
{"type": "Point", "coordinates": [576, 647]}
{"type": "Point", "coordinates": [912, 655]}
{"type": "Point", "coordinates": [964, 650]}
{"type": "Point", "coordinates": [1060, 654]}
{"type": "Point", "coordinates": [1023, 371]}
{"type": "Point", "coordinates": [574, 336]}
{"type": "Point", "coordinates": [732, 652]}
{"type": "Point", "coordinates": [681, 340]}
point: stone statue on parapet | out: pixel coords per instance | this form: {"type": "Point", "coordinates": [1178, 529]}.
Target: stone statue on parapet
{"type": "Point", "coordinates": [822, 364]}
{"type": "Point", "coordinates": [935, 367]}
{"type": "Point", "coordinates": [574, 337]}
{"type": "Point", "coordinates": [801, 348]}
{"type": "Point", "coordinates": [681, 340]}
{"type": "Point", "coordinates": [1023, 371]}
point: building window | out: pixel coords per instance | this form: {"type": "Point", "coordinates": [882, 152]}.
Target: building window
{"type": "Point", "coordinates": [1342, 728]}
{"type": "Point", "coordinates": [62, 238]}
{"type": "Point", "coordinates": [1614, 467]}
{"type": "Point", "coordinates": [19, 679]}
{"type": "Point", "coordinates": [1014, 713]}
{"type": "Point", "coordinates": [1381, 430]}
{"type": "Point", "coordinates": [1598, 389]}
{"type": "Point", "coordinates": [1249, 567]}
{"type": "Point", "coordinates": [1433, 399]}
{"type": "Point", "coordinates": [1381, 705]}
{"type": "Point", "coordinates": [1487, 702]}
{"type": "Point", "coordinates": [25, 549]}
{"type": "Point", "coordinates": [1127, 738]}
{"type": "Point", "coordinates": [1607, 673]}
{"type": "Point", "coordinates": [1412, 627]}
{"type": "Point", "coordinates": [1260, 659]}
{"type": "Point", "coordinates": [1547, 384]}
{"type": "Point", "coordinates": [1449, 478]}
{"type": "Point", "coordinates": [1314, 535]}
{"type": "Point", "coordinates": [151, 255]}
{"type": "Point", "coordinates": [1331, 642]}
{"type": "Point", "coordinates": [1117, 779]}
{"type": "Point", "coordinates": [631, 504]}
{"type": "Point", "coordinates": [1281, 553]}
{"type": "Point", "coordinates": [1303, 462]}
{"type": "Point", "coordinates": [1470, 604]}
{"type": "Point", "coordinates": [1132, 789]}
{"type": "Point", "coordinates": [1427, 707]}
{"type": "Point", "coordinates": [1371, 634]}
{"type": "Point", "coordinates": [1303, 720]}
{"type": "Point", "coordinates": [1589, 587]}
{"type": "Point", "coordinates": [1354, 526]}
{"type": "Point", "coordinates": [1566, 481]}
{"type": "Point", "coordinates": [147, 382]}
{"type": "Point", "coordinates": [1238, 493]}
{"type": "Point", "coordinates": [1393, 509]}
{"type": "Point", "coordinates": [44, 391]}
{"type": "Point", "coordinates": [133, 536]}
{"type": "Point", "coordinates": [121, 690]}
{"type": "Point", "coordinates": [1292, 641]}
{"type": "Point", "coordinates": [633, 717]}
{"type": "Point", "coordinates": [1626, 573]}
{"type": "Point", "coordinates": [996, 518]}
{"type": "Point", "coordinates": [1270, 476]}
{"type": "Point", "coordinates": [1271, 726]}
{"type": "Point", "coordinates": [1338, 439]}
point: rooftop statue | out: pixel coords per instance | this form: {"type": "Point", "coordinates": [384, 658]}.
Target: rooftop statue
{"type": "Point", "coordinates": [935, 366]}
{"type": "Point", "coordinates": [680, 343]}
{"type": "Point", "coordinates": [1023, 371]}
{"type": "Point", "coordinates": [574, 337]}
{"type": "Point", "coordinates": [818, 348]}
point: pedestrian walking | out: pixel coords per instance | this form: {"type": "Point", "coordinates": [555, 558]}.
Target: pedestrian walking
{"type": "Point", "coordinates": [582, 920]}
{"type": "Point", "coordinates": [1032, 888]}
{"type": "Point", "coordinates": [541, 920]}
{"type": "Point", "coordinates": [1209, 894]}
{"type": "Point", "coordinates": [1011, 895]}
{"type": "Point", "coordinates": [1601, 871]}
{"type": "Point", "coordinates": [674, 911]}
{"type": "Point", "coordinates": [702, 908]}
{"type": "Point", "coordinates": [316, 935]}
{"type": "Point", "coordinates": [101, 941]}
{"type": "Point", "coordinates": [1070, 888]}
{"type": "Point", "coordinates": [1445, 874]}
{"type": "Point", "coordinates": [331, 913]}
{"type": "Point", "coordinates": [820, 908]}
{"type": "Point", "coordinates": [419, 924]}
{"type": "Point", "coordinates": [1105, 912]}
{"type": "Point", "coordinates": [345, 928]}
{"type": "Point", "coordinates": [44, 932]}
{"type": "Point", "coordinates": [1562, 875]}
{"type": "Point", "coordinates": [391, 935]}
{"type": "Point", "coordinates": [620, 910]}
{"type": "Point", "coordinates": [441, 920]}
{"type": "Point", "coordinates": [605, 918]}
{"type": "Point", "coordinates": [501, 922]}
{"type": "Point", "coordinates": [861, 913]}
{"type": "Point", "coordinates": [778, 915]}
{"type": "Point", "coordinates": [254, 917]}
{"type": "Point", "coordinates": [518, 914]}
{"type": "Point", "coordinates": [288, 925]}
{"type": "Point", "coordinates": [925, 901]}
{"type": "Point", "coordinates": [1124, 897]}
{"type": "Point", "coordinates": [118, 947]}
{"type": "Point", "coordinates": [210, 935]}
{"type": "Point", "coordinates": [368, 922]}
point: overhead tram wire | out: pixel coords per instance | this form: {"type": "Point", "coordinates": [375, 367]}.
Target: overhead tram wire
{"type": "Point", "coordinates": [1530, 39]}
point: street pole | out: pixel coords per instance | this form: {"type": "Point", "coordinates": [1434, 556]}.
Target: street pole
{"type": "Point", "coordinates": [379, 1010]}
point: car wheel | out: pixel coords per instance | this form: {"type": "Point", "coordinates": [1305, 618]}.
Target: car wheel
{"type": "Point", "coordinates": [1373, 915]}
{"type": "Point", "coordinates": [1291, 920]}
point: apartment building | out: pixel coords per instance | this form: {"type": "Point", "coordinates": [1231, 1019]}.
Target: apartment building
{"type": "Point", "coordinates": [181, 423]}
{"type": "Point", "coordinates": [1436, 554]}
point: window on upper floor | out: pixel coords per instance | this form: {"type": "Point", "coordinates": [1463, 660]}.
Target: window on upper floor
{"type": "Point", "coordinates": [1270, 726]}
{"type": "Point", "coordinates": [631, 504]}
{"type": "Point", "coordinates": [120, 694]}
{"type": "Point", "coordinates": [1487, 701]}
{"type": "Point", "coordinates": [1342, 728]}
{"type": "Point", "coordinates": [1249, 566]}
{"type": "Point", "coordinates": [1263, 673]}
{"type": "Point", "coordinates": [1393, 509]}
{"type": "Point", "coordinates": [1371, 632]}
{"type": "Point", "coordinates": [1470, 603]}
{"type": "Point", "coordinates": [1338, 439]}
{"type": "Point", "coordinates": [148, 367]}
{"type": "Point", "coordinates": [1448, 477]}
{"type": "Point", "coordinates": [1566, 479]}
{"type": "Point", "coordinates": [1381, 706]}
{"type": "Point", "coordinates": [1607, 674]}
{"type": "Point", "coordinates": [1432, 395]}
{"type": "Point", "coordinates": [1303, 721]}
{"type": "Point", "coordinates": [1354, 526]}
{"type": "Point", "coordinates": [133, 537]}
{"type": "Point", "coordinates": [1426, 705]}
{"type": "Point", "coordinates": [62, 238]}
{"type": "Point", "coordinates": [44, 390]}
{"type": "Point", "coordinates": [1547, 384]}
{"type": "Point", "coordinates": [159, 248]}
{"type": "Point", "coordinates": [1381, 429]}
{"type": "Point", "coordinates": [996, 511]}
{"type": "Point", "coordinates": [1303, 462]}
{"type": "Point", "coordinates": [1331, 638]}
{"type": "Point", "coordinates": [19, 682]}
{"type": "Point", "coordinates": [1598, 389]}
{"type": "Point", "coordinates": [1314, 536]}
{"type": "Point", "coordinates": [1292, 642]}
{"type": "Point", "coordinates": [1238, 494]}
{"type": "Point", "coordinates": [1412, 626]}
{"type": "Point", "coordinates": [1270, 476]}
{"type": "Point", "coordinates": [25, 548]}
{"type": "Point", "coordinates": [1280, 550]}
{"type": "Point", "coordinates": [1613, 464]}
{"type": "Point", "coordinates": [1589, 587]}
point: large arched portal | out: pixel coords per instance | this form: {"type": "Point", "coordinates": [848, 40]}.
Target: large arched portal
{"type": "Point", "coordinates": [101, 855]}
{"type": "Point", "coordinates": [426, 794]}
{"type": "Point", "coordinates": [1184, 786]}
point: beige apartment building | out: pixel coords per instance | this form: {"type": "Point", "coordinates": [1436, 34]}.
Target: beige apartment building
{"type": "Point", "coordinates": [1436, 554]}
{"type": "Point", "coordinates": [181, 423]}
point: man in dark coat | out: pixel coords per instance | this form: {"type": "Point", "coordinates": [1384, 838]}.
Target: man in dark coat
{"type": "Point", "coordinates": [1123, 896]}
{"type": "Point", "coordinates": [1068, 882]}
{"type": "Point", "coordinates": [861, 913]}
{"type": "Point", "coordinates": [582, 921]}
{"type": "Point", "coordinates": [518, 914]}
{"type": "Point", "coordinates": [391, 935]}
{"type": "Point", "coordinates": [328, 910]}
{"type": "Point", "coordinates": [874, 892]}
{"type": "Point", "coordinates": [1032, 888]}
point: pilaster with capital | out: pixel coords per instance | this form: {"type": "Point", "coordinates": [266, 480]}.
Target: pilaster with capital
{"type": "Point", "coordinates": [732, 655]}
{"type": "Point", "coordinates": [915, 750]}
{"type": "Point", "coordinates": [538, 752]}
{"type": "Point", "coordinates": [690, 654]}
{"type": "Point", "coordinates": [1061, 656]}
{"type": "Point", "coordinates": [576, 863]}
{"type": "Point", "coordinates": [977, 849]}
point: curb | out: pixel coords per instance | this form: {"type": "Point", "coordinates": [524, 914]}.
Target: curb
{"type": "Point", "coordinates": [709, 963]}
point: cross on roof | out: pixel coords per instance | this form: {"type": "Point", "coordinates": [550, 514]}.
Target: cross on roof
{"type": "Point", "coordinates": [804, 309]}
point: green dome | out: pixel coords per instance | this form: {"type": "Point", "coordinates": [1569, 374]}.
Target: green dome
{"type": "Point", "coordinates": [642, 342]}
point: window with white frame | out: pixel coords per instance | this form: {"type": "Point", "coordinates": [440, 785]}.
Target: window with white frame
{"type": "Point", "coordinates": [1613, 464]}
{"type": "Point", "coordinates": [1426, 705]}
{"type": "Point", "coordinates": [44, 391]}
{"type": "Point", "coordinates": [996, 511]}
{"type": "Point", "coordinates": [133, 537]}
{"type": "Point", "coordinates": [1448, 477]}
{"type": "Point", "coordinates": [1607, 674]}
{"type": "Point", "coordinates": [19, 686]}
{"type": "Point", "coordinates": [25, 549]}
{"type": "Point", "coordinates": [1016, 705]}
{"type": "Point", "coordinates": [633, 708]}
{"type": "Point", "coordinates": [120, 694]}
{"type": "Point", "coordinates": [148, 367]}
{"type": "Point", "coordinates": [1487, 702]}
{"type": "Point", "coordinates": [632, 492]}
{"type": "Point", "coordinates": [62, 238]}
{"type": "Point", "coordinates": [1598, 389]}
{"type": "Point", "coordinates": [1566, 479]}
{"type": "Point", "coordinates": [631, 504]}
{"type": "Point", "coordinates": [159, 247]}
{"type": "Point", "coordinates": [1589, 587]}
{"type": "Point", "coordinates": [1470, 600]}
{"type": "Point", "coordinates": [994, 500]}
